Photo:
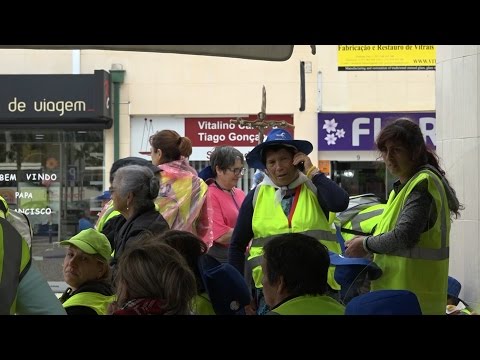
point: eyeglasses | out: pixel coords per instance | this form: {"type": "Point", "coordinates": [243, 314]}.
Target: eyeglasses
{"type": "Point", "coordinates": [237, 171]}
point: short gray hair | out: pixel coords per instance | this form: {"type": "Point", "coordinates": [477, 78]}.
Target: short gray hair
{"type": "Point", "coordinates": [138, 180]}
{"type": "Point", "coordinates": [224, 157]}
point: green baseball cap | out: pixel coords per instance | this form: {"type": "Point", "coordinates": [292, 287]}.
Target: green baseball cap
{"type": "Point", "coordinates": [92, 242]}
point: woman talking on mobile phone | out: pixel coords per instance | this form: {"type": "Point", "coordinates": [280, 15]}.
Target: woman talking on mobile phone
{"type": "Point", "coordinates": [286, 201]}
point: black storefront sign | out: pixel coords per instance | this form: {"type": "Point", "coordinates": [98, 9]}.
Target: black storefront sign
{"type": "Point", "coordinates": [56, 101]}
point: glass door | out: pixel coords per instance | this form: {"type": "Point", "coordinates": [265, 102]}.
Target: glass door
{"type": "Point", "coordinates": [361, 177]}
{"type": "Point", "coordinates": [54, 177]}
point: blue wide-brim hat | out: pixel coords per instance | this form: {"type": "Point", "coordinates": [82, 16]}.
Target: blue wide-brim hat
{"type": "Point", "coordinates": [225, 286]}
{"type": "Point", "coordinates": [348, 268]}
{"type": "Point", "coordinates": [104, 196]}
{"type": "Point", "coordinates": [384, 302]}
{"type": "Point", "coordinates": [454, 287]}
{"type": "Point", "coordinates": [276, 137]}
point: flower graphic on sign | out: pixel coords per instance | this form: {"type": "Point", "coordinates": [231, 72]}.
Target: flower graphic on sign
{"type": "Point", "coordinates": [330, 139]}
{"type": "Point", "coordinates": [330, 125]}
{"type": "Point", "coordinates": [333, 134]}
{"type": "Point", "coordinates": [340, 133]}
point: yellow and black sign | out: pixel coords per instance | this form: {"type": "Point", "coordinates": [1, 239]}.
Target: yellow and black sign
{"type": "Point", "coordinates": [386, 57]}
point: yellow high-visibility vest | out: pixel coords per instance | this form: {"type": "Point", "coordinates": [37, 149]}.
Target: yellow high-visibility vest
{"type": "Point", "coordinates": [269, 220]}
{"type": "Point", "coordinates": [422, 269]}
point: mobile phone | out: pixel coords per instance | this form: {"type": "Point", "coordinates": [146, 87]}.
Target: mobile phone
{"type": "Point", "coordinates": [301, 166]}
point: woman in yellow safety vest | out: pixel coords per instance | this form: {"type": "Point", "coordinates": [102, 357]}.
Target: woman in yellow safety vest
{"type": "Point", "coordinates": [411, 241]}
{"type": "Point", "coordinates": [86, 271]}
{"type": "Point", "coordinates": [294, 197]}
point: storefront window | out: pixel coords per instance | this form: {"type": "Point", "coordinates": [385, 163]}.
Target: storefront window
{"type": "Point", "coordinates": [361, 177]}
{"type": "Point", "coordinates": [53, 177]}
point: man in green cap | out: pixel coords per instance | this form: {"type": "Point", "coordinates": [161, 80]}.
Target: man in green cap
{"type": "Point", "coordinates": [86, 271]}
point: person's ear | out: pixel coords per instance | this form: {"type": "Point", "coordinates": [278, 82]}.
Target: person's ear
{"type": "Point", "coordinates": [281, 288]}
{"type": "Point", "coordinates": [101, 269]}
{"type": "Point", "coordinates": [129, 199]}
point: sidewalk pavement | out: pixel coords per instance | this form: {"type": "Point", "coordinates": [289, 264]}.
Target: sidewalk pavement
{"type": "Point", "coordinates": [48, 257]}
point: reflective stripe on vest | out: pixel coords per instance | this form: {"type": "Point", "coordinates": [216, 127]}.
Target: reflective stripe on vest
{"type": "Point", "coordinates": [423, 254]}
{"type": "Point", "coordinates": [317, 234]}
{"type": "Point", "coordinates": [363, 223]}
{"type": "Point", "coordinates": [95, 301]}
{"type": "Point", "coordinates": [19, 221]}
{"type": "Point", "coordinates": [424, 268]}
{"type": "Point", "coordinates": [269, 220]}
{"type": "Point", "coordinates": [349, 214]}
{"type": "Point", "coordinates": [429, 253]}
{"type": "Point", "coordinates": [14, 260]}
{"type": "Point", "coordinates": [363, 217]}
{"type": "Point", "coordinates": [3, 208]}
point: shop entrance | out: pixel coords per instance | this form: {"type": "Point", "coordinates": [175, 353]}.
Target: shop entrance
{"type": "Point", "coordinates": [53, 177]}
{"type": "Point", "coordinates": [361, 177]}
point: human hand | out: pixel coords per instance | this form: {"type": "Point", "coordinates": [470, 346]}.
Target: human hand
{"type": "Point", "coordinates": [300, 157]}
{"type": "Point", "coordinates": [354, 247]}
{"type": "Point", "coordinates": [251, 309]}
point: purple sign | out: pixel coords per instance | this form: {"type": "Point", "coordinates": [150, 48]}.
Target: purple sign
{"type": "Point", "coordinates": [358, 131]}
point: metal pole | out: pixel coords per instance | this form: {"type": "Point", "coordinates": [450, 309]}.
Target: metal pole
{"type": "Point", "coordinates": [117, 79]}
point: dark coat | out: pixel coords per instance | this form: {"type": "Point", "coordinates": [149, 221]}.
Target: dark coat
{"type": "Point", "coordinates": [147, 221]}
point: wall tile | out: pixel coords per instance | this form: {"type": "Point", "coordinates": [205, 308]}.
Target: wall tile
{"type": "Point", "coordinates": [458, 51]}
{"type": "Point", "coordinates": [470, 96]}
{"type": "Point", "coordinates": [470, 155]}
{"type": "Point", "coordinates": [458, 98]}
{"type": "Point", "coordinates": [471, 283]}
{"type": "Point", "coordinates": [447, 99]}
{"type": "Point", "coordinates": [457, 246]}
{"type": "Point", "coordinates": [444, 53]}
{"type": "Point", "coordinates": [471, 50]}
{"type": "Point", "coordinates": [439, 103]}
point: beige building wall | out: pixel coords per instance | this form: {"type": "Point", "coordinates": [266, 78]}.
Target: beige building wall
{"type": "Point", "coordinates": [458, 138]}
{"type": "Point", "coordinates": [172, 84]}
{"type": "Point", "coordinates": [370, 91]}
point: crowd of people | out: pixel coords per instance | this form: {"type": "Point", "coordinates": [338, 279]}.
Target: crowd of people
{"type": "Point", "coordinates": [174, 242]}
